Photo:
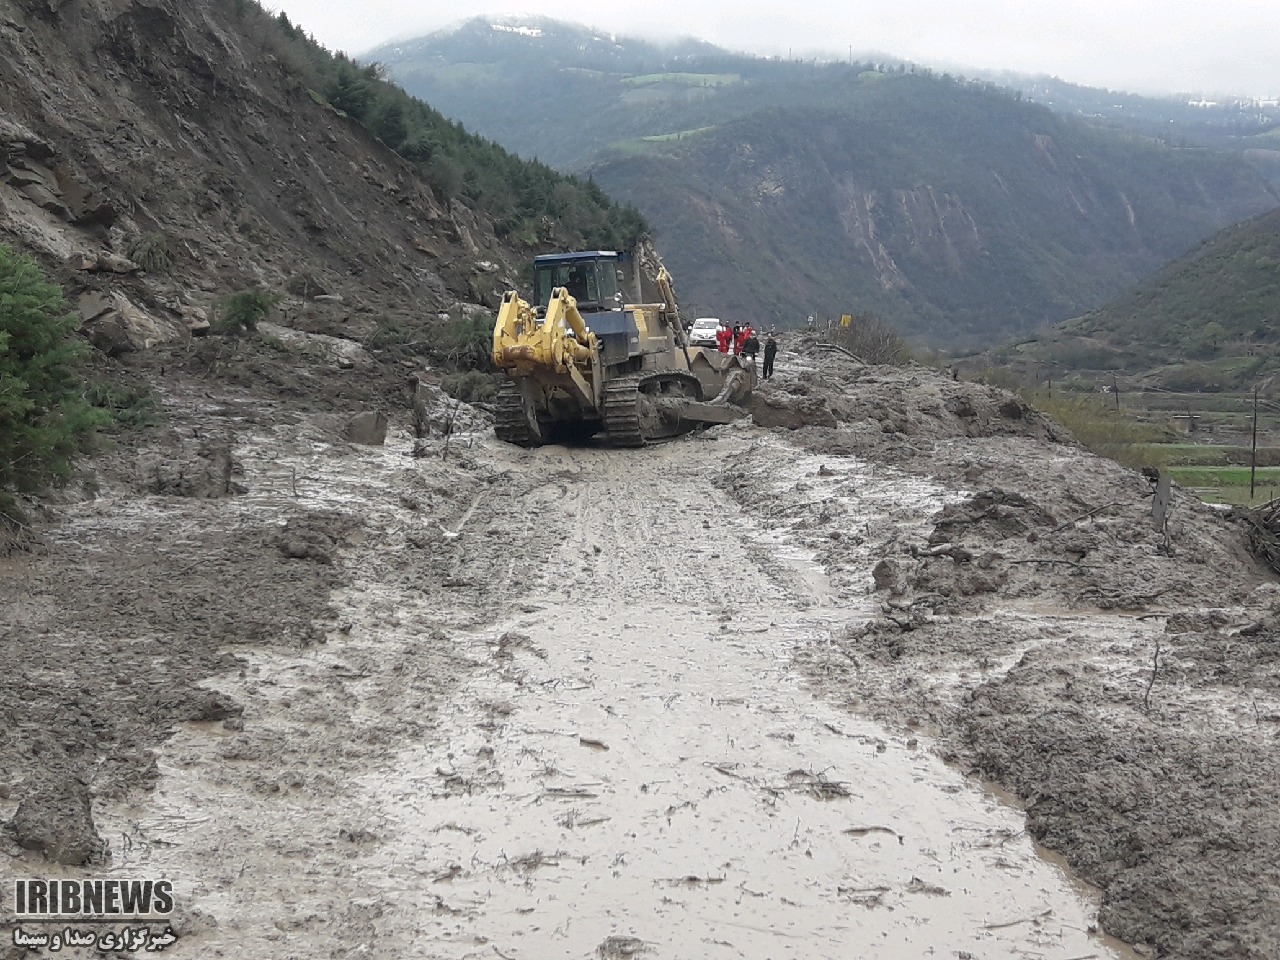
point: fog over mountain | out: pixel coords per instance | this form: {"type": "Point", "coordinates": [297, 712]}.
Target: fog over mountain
{"type": "Point", "coordinates": [1141, 46]}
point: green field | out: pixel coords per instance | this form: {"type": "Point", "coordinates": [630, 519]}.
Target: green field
{"type": "Point", "coordinates": [1207, 455]}
{"type": "Point", "coordinates": [1150, 430]}
{"type": "Point", "coordinates": [678, 135]}
{"type": "Point", "coordinates": [1229, 484]}
{"type": "Point", "coordinates": [654, 145]}
{"type": "Point", "coordinates": [685, 79]}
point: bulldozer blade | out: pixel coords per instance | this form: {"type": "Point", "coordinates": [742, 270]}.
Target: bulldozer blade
{"type": "Point", "coordinates": [709, 413]}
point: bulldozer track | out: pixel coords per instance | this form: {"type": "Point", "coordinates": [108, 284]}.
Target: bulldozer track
{"type": "Point", "coordinates": [625, 421]}
{"type": "Point", "coordinates": [511, 425]}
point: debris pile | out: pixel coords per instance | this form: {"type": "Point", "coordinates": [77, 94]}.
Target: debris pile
{"type": "Point", "coordinates": [1264, 533]}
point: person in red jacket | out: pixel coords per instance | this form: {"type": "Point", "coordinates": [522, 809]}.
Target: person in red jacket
{"type": "Point", "coordinates": [723, 337]}
{"type": "Point", "coordinates": [741, 334]}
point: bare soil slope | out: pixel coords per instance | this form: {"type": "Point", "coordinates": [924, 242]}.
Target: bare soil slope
{"type": "Point", "coordinates": [124, 121]}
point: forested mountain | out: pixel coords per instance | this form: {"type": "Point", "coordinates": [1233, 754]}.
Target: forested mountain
{"type": "Point", "coordinates": [1210, 319]}
{"type": "Point", "coordinates": [1212, 120]}
{"type": "Point", "coordinates": [779, 189]}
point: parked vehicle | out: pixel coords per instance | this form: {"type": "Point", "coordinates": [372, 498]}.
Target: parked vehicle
{"type": "Point", "coordinates": [703, 332]}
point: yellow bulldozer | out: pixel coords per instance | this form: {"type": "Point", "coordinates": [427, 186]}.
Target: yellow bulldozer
{"type": "Point", "coordinates": [604, 353]}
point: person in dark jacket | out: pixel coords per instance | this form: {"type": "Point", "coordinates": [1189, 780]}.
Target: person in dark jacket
{"type": "Point", "coordinates": [751, 346]}
{"type": "Point", "coordinates": [770, 351]}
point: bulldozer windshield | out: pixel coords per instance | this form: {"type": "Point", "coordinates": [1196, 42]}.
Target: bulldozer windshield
{"type": "Point", "coordinates": [592, 283]}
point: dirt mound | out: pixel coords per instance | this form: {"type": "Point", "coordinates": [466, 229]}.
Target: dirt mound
{"type": "Point", "coordinates": [191, 468]}
{"type": "Point", "coordinates": [56, 819]}
{"type": "Point", "coordinates": [890, 413]}
{"type": "Point", "coordinates": [1118, 676]}
{"type": "Point", "coordinates": [1175, 822]}
{"type": "Point", "coordinates": [191, 577]}
{"type": "Point", "coordinates": [990, 517]}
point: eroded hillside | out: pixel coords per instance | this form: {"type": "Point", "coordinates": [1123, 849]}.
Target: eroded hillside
{"type": "Point", "coordinates": [128, 125]}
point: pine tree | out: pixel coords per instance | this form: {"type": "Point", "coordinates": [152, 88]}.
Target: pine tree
{"type": "Point", "coordinates": [44, 420]}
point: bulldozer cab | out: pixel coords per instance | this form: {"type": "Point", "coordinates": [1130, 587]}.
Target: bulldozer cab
{"type": "Point", "coordinates": [592, 279]}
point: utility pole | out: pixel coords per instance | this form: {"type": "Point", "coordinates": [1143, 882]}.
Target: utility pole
{"type": "Point", "coordinates": [1253, 456]}
{"type": "Point", "coordinates": [1115, 388]}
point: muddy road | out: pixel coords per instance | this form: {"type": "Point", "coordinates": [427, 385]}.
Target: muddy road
{"type": "Point", "coordinates": [747, 694]}
{"type": "Point", "coordinates": [556, 715]}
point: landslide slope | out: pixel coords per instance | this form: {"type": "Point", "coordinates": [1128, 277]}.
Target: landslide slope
{"type": "Point", "coordinates": [781, 189]}
{"type": "Point", "coordinates": [201, 138]}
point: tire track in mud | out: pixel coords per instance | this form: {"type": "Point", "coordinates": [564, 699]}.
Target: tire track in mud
{"type": "Point", "coordinates": [601, 750]}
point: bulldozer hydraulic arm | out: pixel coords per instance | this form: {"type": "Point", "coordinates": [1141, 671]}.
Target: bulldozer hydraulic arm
{"type": "Point", "coordinates": [557, 350]}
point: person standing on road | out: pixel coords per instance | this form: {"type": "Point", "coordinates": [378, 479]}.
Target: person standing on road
{"type": "Point", "coordinates": [722, 338]}
{"type": "Point", "coordinates": [770, 351]}
{"type": "Point", "coordinates": [751, 346]}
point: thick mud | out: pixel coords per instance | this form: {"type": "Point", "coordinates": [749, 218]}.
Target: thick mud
{"type": "Point", "coordinates": [745, 694]}
{"type": "Point", "coordinates": [598, 748]}
{"type": "Point", "coordinates": [1118, 677]}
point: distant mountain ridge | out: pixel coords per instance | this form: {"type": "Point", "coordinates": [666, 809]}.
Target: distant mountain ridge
{"type": "Point", "coordinates": [779, 189]}
{"type": "Point", "coordinates": [1210, 319]}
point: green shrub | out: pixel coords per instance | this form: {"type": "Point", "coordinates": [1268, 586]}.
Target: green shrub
{"type": "Point", "coordinates": [128, 406]}
{"type": "Point", "coordinates": [44, 420]}
{"type": "Point", "coordinates": [243, 311]}
{"type": "Point", "coordinates": [465, 343]}
{"type": "Point", "coordinates": [151, 253]}
{"type": "Point", "coordinates": [470, 387]}
{"type": "Point", "coordinates": [1102, 429]}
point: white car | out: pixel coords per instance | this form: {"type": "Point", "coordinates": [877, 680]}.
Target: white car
{"type": "Point", "coordinates": [703, 332]}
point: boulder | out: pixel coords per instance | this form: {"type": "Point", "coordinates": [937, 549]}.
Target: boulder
{"type": "Point", "coordinates": [109, 335]}
{"type": "Point", "coordinates": [197, 321]}
{"type": "Point", "coordinates": [790, 412]}
{"type": "Point", "coordinates": [88, 208]}
{"type": "Point", "coordinates": [114, 263]}
{"type": "Point", "coordinates": [92, 305]}
{"type": "Point", "coordinates": [201, 468]}
{"type": "Point", "coordinates": [45, 199]}
{"type": "Point", "coordinates": [103, 262]}
{"type": "Point", "coordinates": [342, 353]}
{"type": "Point", "coordinates": [305, 285]}
{"type": "Point", "coordinates": [368, 428]}
{"type": "Point", "coordinates": [25, 172]}
{"type": "Point", "coordinates": [57, 821]}
{"type": "Point", "coordinates": [124, 326]}
{"type": "Point", "coordinates": [435, 413]}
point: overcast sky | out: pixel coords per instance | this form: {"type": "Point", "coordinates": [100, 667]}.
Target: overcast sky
{"type": "Point", "coordinates": [1143, 46]}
